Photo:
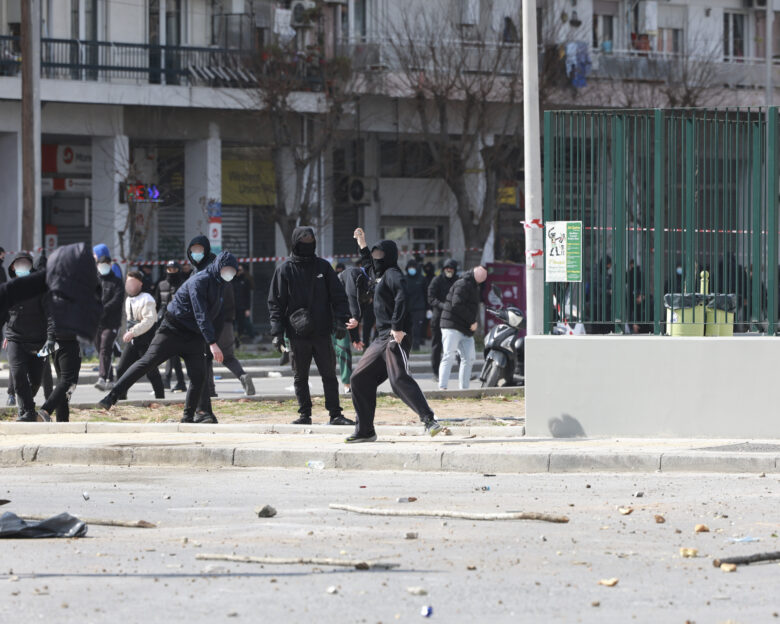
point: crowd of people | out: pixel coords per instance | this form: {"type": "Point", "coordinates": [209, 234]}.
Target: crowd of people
{"type": "Point", "coordinates": [197, 309]}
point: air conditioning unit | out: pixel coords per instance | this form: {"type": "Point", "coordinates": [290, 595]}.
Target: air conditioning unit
{"type": "Point", "coordinates": [469, 12]}
{"type": "Point", "coordinates": [360, 190]}
{"type": "Point", "coordinates": [299, 10]}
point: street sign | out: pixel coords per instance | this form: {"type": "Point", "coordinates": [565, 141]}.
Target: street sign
{"type": "Point", "coordinates": [215, 234]}
{"type": "Point", "coordinates": [563, 251]}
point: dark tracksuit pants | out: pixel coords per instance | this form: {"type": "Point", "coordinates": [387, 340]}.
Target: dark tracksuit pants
{"type": "Point", "coordinates": [48, 382]}
{"type": "Point", "coordinates": [202, 397]}
{"type": "Point", "coordinates": [228, 347]}
{"type": "Point", "coordinates": [26, 373]}
{"type": "Point", "coordinates": [368, 321]}
{"type": "Point", "coordinates": [174, 366]}
{"type": "Point", "coordinates": [436, 347]}
{"type": "Point", "coordinates": [167, 342]}
{"type": "Point", "coordinates": [418, 322]}
{"type": "Point", "coordinates": [384, 359]}
{"type": "Point", "coordinates": [104, 343]}
{"type": "Point", "coordinates": [67, 364]}
{"type": "Point", "coordinates": [133, 352]}
{"type": "Point", "coordinates": [320, 348]}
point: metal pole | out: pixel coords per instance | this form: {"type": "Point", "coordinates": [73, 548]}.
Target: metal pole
{"type": "Point", "coordinates": [534, 236]}
{"type": "Point", "coordinates": [769, 52]}
{"type": "Point", "coordinates": [31, 125]}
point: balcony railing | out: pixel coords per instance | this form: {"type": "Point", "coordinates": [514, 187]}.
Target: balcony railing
{"type": "Point", "coordinates": [134, 63]}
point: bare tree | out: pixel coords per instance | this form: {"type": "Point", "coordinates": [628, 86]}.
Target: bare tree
{"type": "Point", "coordinates": [467, 96]}
{"type": "Point", "coordinates": [284, 69]}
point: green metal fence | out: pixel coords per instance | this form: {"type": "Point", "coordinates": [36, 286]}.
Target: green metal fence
{"type": "Point", "coordinates": [664, 195]}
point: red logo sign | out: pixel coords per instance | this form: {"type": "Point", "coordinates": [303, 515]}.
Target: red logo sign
{"type": "Point", "coordinates": [67, 155]}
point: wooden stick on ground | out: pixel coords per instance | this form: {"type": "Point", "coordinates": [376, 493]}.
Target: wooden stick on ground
{"type": "Point", "coordinates": [767, 556]}
{"type": "Point", "coordinates": [344, 563]}
{"type": "Point", "coordinates": [450, 514]}
{"type": "Point", "coordinates": [130, 524]}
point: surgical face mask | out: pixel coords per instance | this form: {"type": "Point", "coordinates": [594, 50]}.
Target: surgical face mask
{"type": "Point", "coordinates": [679, 270]}
{"type": "Point", "coordinates": [197, 256]}
{"type": "Point", "coordinates": [104, 269]}
{"type": "Point", "coordinates": [412, 271]}
{"type": "Point", "coordinates": [449, 273]}
{"type": "Point", "coordinates": [227, 274]}
{"type": "Point", "coordinates": [21, 272]}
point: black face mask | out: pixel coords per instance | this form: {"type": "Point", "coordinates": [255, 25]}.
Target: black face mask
{"type": "Point", "coordinates": [305, 249]}
{"type": "Point", "coordinates": [379, 265]}
{"type": "Point", "coordinates": [174, 279]}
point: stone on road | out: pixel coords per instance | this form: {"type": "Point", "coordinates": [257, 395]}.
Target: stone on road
{"type": "Point", "coordinates": [471, 571]}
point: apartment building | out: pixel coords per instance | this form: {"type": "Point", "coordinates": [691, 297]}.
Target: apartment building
{"type": "Point", "coordinates": [155, 102]}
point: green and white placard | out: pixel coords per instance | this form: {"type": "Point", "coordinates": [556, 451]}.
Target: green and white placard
{"type": "Point", "coordinates": [563, 251]}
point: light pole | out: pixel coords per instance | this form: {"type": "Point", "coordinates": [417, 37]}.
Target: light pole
{"type": "Point", "coordinates": [31, 125]}
{"type": "Point", "coordinates": [534, 235]}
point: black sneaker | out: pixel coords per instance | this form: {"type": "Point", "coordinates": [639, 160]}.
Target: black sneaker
{"type": "Point", "coordinates": [187, 418]}
{"type": "Point", "coordinates": [303, 420]}
{"type": "Point", "coordinates": [179, 388]}
{"type": "Point", "coordinates": [341, 420]}
{"type": "Point", "coordinates": [101, 384]}
{"type": "Point", "coordinates": [107, 402]}
{"type": "Point", "coordinates": [355, 438]}
{"type": "Point", "coordinates": [432, 427]}
{"type": "Point", "coordinates": [43, 415]}
{"type": "Point", "coordinates": [205, 418]}
{"type": "Point", "coordinates": [27, 417]}
{"type": "Point", "coordinates": [246, 382]}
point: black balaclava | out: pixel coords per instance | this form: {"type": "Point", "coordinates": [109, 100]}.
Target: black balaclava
{"type": "Point", "coordinates": [301, 250]}
{"type": "Point", "coordinates": [390, 259]}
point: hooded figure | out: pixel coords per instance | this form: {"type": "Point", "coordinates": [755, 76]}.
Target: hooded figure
{"type": "Point", "coordinates": [437, 298]}
{"type": "Point", "coordinates": [200, 260]}
{"type": "Point", "coordinates": [306, 298]}
{"type": "Point", "coordinates": [103, 250]}
{"type": "Point", "coordinates": [74, 291]}
{"type": "Point", "coordinates": [390, 304]}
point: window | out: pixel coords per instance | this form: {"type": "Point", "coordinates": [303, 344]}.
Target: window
{"type": "Point", "coordinates": [670, 40]}
{"type": "Point", "coordinates": [603, 32]}
{"type": "Point", "coordinates": [405, 159]}
{"type": "Point", "coordinates": [733, 36]}
{"type": "Point", "coordinates": [761, 35]}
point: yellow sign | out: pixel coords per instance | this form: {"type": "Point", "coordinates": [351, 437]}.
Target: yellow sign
{"type": "Point", "coordinates": [507, 195]}
{"type": "Point", "coordinates": [248, 183]}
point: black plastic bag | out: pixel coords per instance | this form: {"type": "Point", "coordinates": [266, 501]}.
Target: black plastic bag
{"type": "Point", "coordinates": [62, 525]}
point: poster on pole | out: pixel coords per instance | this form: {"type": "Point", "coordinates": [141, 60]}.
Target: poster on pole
{"type": "Point", "coordinates": [563, 251]}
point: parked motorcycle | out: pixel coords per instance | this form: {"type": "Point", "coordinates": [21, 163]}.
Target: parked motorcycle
{"type": "Point", "coordinates": [504, 349]}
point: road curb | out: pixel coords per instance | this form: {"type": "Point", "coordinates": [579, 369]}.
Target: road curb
{"type": "Point", "coordinates": [378, 457]}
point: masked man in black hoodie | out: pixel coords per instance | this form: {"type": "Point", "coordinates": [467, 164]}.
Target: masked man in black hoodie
{"type": "Point", "coordinates": [437, 297]}
{"type": "Point", "coordinates": [191, 318]}
{"type": "Point", "coordinates": [388, 355]}
{"type": "Point", "coordinates": [166, 289]}
{"type": "Point", "coordinates": [29, 327]}
{"type": "Point", "coordinates": [304, 298]}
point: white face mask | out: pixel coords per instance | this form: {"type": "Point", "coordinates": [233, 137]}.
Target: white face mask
{"type": "Point", "coordinates": [227, 274]}
{"type": "Point", "coordinates": [104, 269]}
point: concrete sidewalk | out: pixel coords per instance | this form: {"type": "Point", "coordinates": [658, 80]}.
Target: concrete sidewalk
{"type": "Point", "coordinates": [473, 449]}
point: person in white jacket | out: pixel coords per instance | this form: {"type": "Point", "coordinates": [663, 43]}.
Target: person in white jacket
{"type": "Point", "coordinates": [141, 314]}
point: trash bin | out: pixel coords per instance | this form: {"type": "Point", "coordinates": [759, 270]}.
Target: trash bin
{"type": "Point", "coordinates": [720, 315]}
{"type": "Point", "coordinates": [685, 315]}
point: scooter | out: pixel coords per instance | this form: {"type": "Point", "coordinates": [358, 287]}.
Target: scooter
{"type": "Point", "coordinates": [504, 349]}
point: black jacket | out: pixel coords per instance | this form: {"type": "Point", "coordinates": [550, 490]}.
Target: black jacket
{"type": "Point", "coordinates": [302, 279]}
{"type": "Point", "coordinates": [437, 295]}
{"type": "Point", "coordinates": [462, 307]}
{"type": "Point", "coordinates": [228, 303]}
{"type": "Point", "coordinates": [74, 294]}
{"type": "Point", "coordinates": [242, 289]}
{"type": "Point", "coordinates": [29, 320]}
{"type": "Point", "coordinates": [197, 305]}
{"type": "Point", "coordinates": [208, 257]}
{"type": "Point", "coordinates": [390, 306]}
{"type": "Point", "coordinates": [416, 295]}
{"type": "Point", "coordinates": [112, 297]}
{"type": "Point", "coordinates": [359, 289]}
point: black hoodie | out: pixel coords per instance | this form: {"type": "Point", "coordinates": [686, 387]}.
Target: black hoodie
{"type": "Point", "coordinates": [390, 291]}
{"type": "Point", "coordinates": [113, 298]}
{"type": "Point", "coordinates": [208, 257]}
{"type": "Point", "coordinates": [303, 279]}
{"type": "Point", "coordinates": [72, 280]}
{"type": "Point", "coordinates": [29, 320]}
{"type": "Point", "coordinates": [440, 286]}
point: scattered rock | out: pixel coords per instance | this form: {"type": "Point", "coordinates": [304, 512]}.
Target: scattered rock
{"type": "Point", "coordinates": [333, 589]}
{"type": "Point", "coordinates": [417, 591]}
{"type": "Point", "coordinates": [406, 499]}
{"type": "Point", "coordinates": [608, 582]}
{"type": "Point", "coordinates": [595, 603]}
{"type": "Point", "coordinates": [85, 495]}
{"type": "Point", "coordinates": [728, 567]}
{"type": "Point", "coordinates": [638, 494]}
{"type": "Point", "coordinates": [265, 512]}
{"type": "Point", "coordinates": [689, 553]}
{"type": "Point", "coordinates": [471, 568]}
{"type": "Point", "coordinates": [626, 511]}
{"type": "Point", "coordinates": [701, 528]}
{"type": "Point", "coordinates": [659, 519]}
{"type": "Point", "coordinates": [411, 535]}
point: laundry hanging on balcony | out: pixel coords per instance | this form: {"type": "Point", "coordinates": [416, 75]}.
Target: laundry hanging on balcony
{"type": "Point", "coordinates": [578, 63]}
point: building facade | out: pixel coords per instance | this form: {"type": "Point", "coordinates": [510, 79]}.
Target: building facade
{"type": "Point", "coordinates": [153, 121]}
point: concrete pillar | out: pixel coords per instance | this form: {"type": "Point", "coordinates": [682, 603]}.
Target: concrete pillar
{"type": "Point", "coordinates": [373, 211]}
{"type": "Point", "coordinates": [11, 195]}
{"type": "Point", "coordinates": [325, 202]}
{"type": "Point", "coordinates": [110, 163]}
{"type": "Point", "coordinates": [202, 182]}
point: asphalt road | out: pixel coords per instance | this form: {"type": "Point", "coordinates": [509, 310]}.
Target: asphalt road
{"type": "Point", "coordinates": [520, 571]}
